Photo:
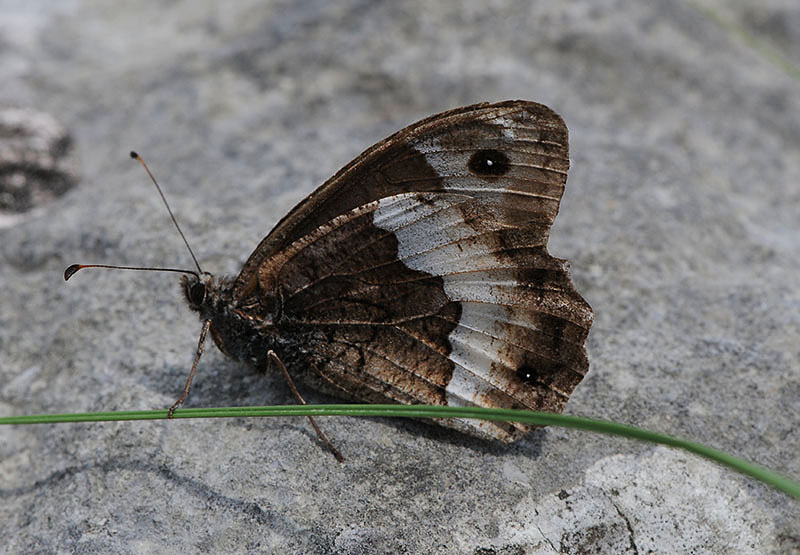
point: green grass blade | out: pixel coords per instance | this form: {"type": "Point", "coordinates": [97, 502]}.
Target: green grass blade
{"type": "Point", "coordinates": [758, 472]}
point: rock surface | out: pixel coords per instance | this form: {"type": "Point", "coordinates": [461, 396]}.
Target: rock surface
{"type": "Point", "coordinates": [680, 219]}
{"type": "Point", "coordinates": [36, 162]}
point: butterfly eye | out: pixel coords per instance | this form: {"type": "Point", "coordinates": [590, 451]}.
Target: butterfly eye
{"type": "Point", "coordinates": [197, 293]}
{"type": "Point", "coordinates": [489, 162]}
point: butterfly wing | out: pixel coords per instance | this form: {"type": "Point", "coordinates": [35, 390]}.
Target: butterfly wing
{"type": "Point", "coordinates": [420, 274]}
{"type": "Point", "coordinates": [436, 154]}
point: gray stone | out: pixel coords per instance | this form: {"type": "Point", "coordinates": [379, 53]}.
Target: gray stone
{"type": "Point", "coordinates": [36, 161]}
{"type": "Point", "coordinates": [680, 219]}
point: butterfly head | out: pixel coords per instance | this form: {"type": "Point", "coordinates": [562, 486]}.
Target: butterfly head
{"type": "Point", "coordinates": [231, 326]}
{"type": "Point", "coordinates": [204, 293]}
{"type": "Point", "coordinates": [195, 288]}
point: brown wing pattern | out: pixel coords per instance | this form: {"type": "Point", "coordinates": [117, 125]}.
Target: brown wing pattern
{"type": "Point", "coordinates": [433, 154]}
{"type": "Point", "coordinates": [420, 274]}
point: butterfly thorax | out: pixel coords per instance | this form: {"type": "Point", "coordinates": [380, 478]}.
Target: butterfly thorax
{"type": "Point", "coordinates": [241, 332]}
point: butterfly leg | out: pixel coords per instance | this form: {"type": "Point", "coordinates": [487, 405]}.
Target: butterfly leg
{"type": "Point", "coordinates": [200, 348]}
{"type": "Point", "coordinates": [272, 355]}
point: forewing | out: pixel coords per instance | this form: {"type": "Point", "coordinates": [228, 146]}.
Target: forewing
{"type": "Point", "coordinates": [511, 156]}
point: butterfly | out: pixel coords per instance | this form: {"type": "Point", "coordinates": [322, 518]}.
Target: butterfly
{"type": "Point", "coordinates": [419, 274]}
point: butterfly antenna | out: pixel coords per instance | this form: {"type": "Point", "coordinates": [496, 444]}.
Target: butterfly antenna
{"type": "Point", "coordinates": [138, 158]}
{"type": "Point", "coordinates": [75, 268]}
